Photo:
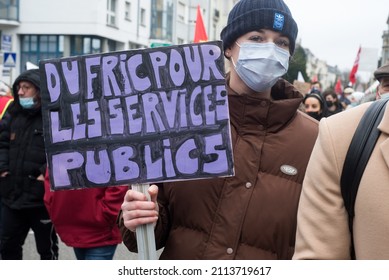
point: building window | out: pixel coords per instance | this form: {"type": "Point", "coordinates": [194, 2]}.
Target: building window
{"type": "Point", "coordinates": [161, 19]}
{"type": "Point", "coordinates": [181, 11]}
{"type": "Point", "coordinates": [127, 11]}
{"type": "Point", "coordinates": [81, 45]}
{"type": "Point", "coordinates": [142, 17]}
{"type": "Point", "coordinates": [37, 47]}
{"type": "Point", "coordinates": [111, 12]}
{"type": "Point", "coordinates": [111, 45]}
{"type": "Point", "coordinates": [134, 46]}
{"type": "Point", "coordinates": [9, 9]}
{"type": "Point", "coordinates": [157, 28]}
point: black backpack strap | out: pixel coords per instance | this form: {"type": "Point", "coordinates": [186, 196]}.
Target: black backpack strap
{"type": "Point", "coordinates": [358, 155]}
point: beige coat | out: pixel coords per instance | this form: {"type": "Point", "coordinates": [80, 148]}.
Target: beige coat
{"type": "Point", "coordinates": [322, 231]}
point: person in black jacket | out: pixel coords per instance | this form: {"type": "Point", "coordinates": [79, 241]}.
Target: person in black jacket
{"type": "Point", "coordinates": [22, 163]}
{"type": "Point", "coordinates": [333, 104]}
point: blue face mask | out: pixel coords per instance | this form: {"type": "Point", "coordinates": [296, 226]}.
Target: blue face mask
{"type": "Point", "coordinates": [261, 65]}
{"type": "Point", "coordinates": [27, 102]}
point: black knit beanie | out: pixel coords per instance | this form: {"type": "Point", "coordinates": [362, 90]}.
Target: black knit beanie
{"type": "Point", "coordinates": [318, 96]}
{"type": "Point", "coordinates": [31, 76]}
{"type": "Point", "coordinates": [251, 15]}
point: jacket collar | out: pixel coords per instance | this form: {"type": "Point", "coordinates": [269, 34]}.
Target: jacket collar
{"type": "Point", "coordinates": [253, 110]}
{"type": "Point", "coordinates": [384, 124]}
{"type": "Point", "coordinates": [384, 128]}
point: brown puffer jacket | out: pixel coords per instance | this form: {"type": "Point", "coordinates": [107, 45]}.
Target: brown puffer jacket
{"type": "Point", "coordinates": [251, 215]}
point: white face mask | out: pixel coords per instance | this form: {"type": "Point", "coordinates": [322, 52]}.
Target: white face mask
{"type": "Point", "coordinates": [260, 65]}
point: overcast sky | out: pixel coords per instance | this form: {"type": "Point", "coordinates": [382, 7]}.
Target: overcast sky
{"type": "Point", "coordinates": [333, 30]}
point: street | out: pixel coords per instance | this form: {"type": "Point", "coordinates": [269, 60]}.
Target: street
{"type": "Point", "coordinates": [66, 253]}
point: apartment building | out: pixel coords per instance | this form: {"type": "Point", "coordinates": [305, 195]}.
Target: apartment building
{"type": "Point", "coordinates": [33, 30]}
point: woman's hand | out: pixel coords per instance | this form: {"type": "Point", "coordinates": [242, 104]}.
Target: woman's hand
{"type": "Point", "coordinates": [4, 174]}
{"type": "Point", "coordinates": [138, 210]}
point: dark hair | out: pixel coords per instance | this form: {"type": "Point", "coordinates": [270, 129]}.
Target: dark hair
{"type": "Point", "coordinates": [330, 92]}
{"type": "Point", "coordinates": [338, 104]}
{"type": "Point", "coordinates": [320, 98]}
{"type": "Point", "coordinates": [316, 95]}
{"type": "Point", "coordinates": [317, 82]}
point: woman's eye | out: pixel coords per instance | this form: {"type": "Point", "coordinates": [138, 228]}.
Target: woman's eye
{"type": "Point", "coordinates": [282, 43]}
{"type": "Point", "coordinates": [256, 39]}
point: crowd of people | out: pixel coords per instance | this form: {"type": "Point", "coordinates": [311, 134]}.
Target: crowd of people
{"type": "Point", "coordinates": [284, 201]}
{"type": "Point", "coordinates": [318, 104]}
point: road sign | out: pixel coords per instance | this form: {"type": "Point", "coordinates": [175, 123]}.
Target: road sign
{"type": "Point", "coordinates": [6, 72]}
{"type": "Point", "coordinates": [159, 44]}
{"type": "Point", "coordinates": [9, 59]}
{"type": "Point", "coordinates": [6, 42]}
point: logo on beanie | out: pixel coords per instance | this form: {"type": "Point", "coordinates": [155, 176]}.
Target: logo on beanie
{"type": "Point", "coordinates": [279, 20]}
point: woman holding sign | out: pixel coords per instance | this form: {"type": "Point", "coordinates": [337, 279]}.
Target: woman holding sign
{"type": "Point", "coordinates": [251, 215]}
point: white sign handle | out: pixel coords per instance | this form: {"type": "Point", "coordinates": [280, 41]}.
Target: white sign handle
{"type": "Point", "coordinates": [145, 233]}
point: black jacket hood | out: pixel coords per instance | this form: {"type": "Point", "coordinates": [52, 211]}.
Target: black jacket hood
{"type": "Point", "coordinates": [32, 76]}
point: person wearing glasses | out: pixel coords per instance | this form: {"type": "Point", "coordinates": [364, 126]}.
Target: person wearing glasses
{"type": "Point", "coordinates": [22, 165]}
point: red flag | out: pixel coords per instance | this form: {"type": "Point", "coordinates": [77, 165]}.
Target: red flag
{"type": "Point", "coordinates": [5, 101]}
{"type": "Point", "coordinates": [355, 68]}
{"type": "Point", "coordinates": [338, 87]}
{"type": "Point", "coordinates": [200, 33]}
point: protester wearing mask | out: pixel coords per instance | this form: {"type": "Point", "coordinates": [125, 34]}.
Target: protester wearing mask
{"type": "Point", "coordinates": [5, 100]}
{"type": "Point", "coordinates": [316, 87]}
{"type": "Point", "coordinates": [314, 106]}
{"type": "Point", "coordinates": [345, 98]}
{"type": "Point", "coordinates": [22, 165]}
{"type": "Point", "coordinates": [332, 102]}
{"type": "Point", "coordinates": [251, 215]}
